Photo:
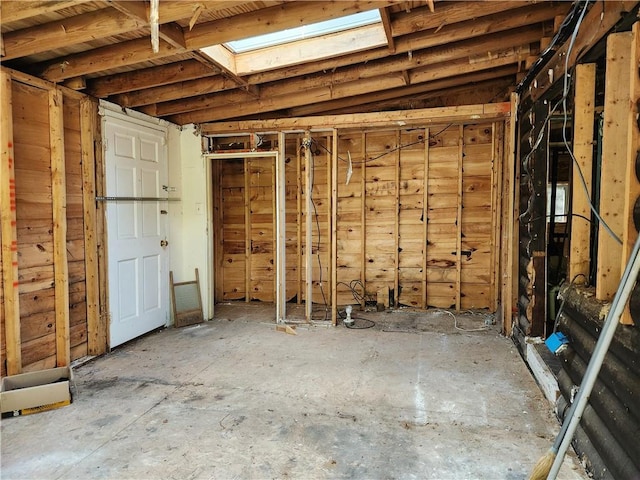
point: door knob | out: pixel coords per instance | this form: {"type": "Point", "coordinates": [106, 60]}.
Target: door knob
{"type": "Point", "coordinates": [163, 243]}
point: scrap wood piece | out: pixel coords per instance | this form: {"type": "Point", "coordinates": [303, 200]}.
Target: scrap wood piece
{"type": "Point", "coordinates": [290, 329]}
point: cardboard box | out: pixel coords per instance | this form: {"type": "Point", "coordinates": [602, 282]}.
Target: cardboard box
{"type": "Point", "coordinates": [35, 392]}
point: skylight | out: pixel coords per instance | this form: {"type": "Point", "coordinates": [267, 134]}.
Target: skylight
{"type": "Point", "coordinates": [306, 31]}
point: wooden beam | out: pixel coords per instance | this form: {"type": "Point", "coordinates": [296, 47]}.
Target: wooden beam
{"type": "Point", "coordinates": [59, 201]}
{"type": "Point", "coordinates": [513, 213]}
{"type": "Point", "coordinates": [386, 24]}
{"type": "Point", "coordinates": [273, 19]}
{"type": "Point", "coordinates": [632, 192]}
{"type": "Point", "coordinates": [96, 330]}
{"type": "Point", "coordinates": [396, 225]}
{"type": "Point", "coordinates": [583, 121]}
{"type": "Point", "coordinates": [247, 230]}
{"type": "Point", "coordinates": [614, 163]}
{"type": "Point", "coordinates": [439, 59]}
{"type": "Point", "coordinates": [299, 187]}
{"type": "Point", "coordinates": [147, 78]}
{"type": "Point", "coordinates": [428, 116]}
{"type": "Point", "coordinates": [363, 220]}
{"type": "Point", "coordinates": [333, 265]}
{"type": "Point", "coordinates": [425, 219]}
{"type": "Point", "coordinates": [215, 32]}
{"type": "Point", "coordinates": [103, 58]}
{"type": "Point", "coordinates": [68, 31]}
{"type": "Point", "coordinates": [413, 91]}
{"type": "Point", "coordinates": [15, 10]}
{"type": "Point", "coordinates": [8, 224]}
{"type": "Point", "coordinates": [421, 19]}
{"type": "Point", "coordinates": [210, 113]}
{"type": "Point", "coordinates": [597, 22]}
{"type": "Point", "coordinates": [76, 83]}
{"type": "Point", "coordinates": [200, 86]}
{"type": "Point", "coordinates": [459, 218]}
{"type": "Point", "coordinates": [281, 230]}
{"type": "Point", "coordinates": [498, 140]}
{"type": "Point", "coordinates": [475, 32]}
{"type": "Point", "coordinates": [308, 212]}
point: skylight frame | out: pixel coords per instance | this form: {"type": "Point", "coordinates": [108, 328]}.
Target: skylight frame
{"type": "Point", "coordinates": [304, 32]}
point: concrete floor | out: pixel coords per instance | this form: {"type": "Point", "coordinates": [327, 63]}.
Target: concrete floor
{"type": "Point", "coordinates": [233, 398]}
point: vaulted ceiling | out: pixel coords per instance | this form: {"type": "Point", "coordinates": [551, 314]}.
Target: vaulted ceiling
{"type": "Point", "coordinates": [436, 53]}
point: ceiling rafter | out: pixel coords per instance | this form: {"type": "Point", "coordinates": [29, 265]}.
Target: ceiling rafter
{"type": "Point", "coordinates": [303, 97]}
{"type": "Point", "coordinates": [202, 35]}
{"type": "Point", "coordinates": [501, 22]}
{"type": "Point", "coordinates": [158, 76]}
{"type": "Point", "coordinates": [386, 23]}
{"type": "Point", "coordinates": [81, 28]}
{"type": "Point", "coordinates": [398, 63]}
{"type": "Point", "coordinates": [404, 92]}
{"type": "Point", "coordinates": [16, 10]}
{"type": "Point", "coordinates": [430, 52]}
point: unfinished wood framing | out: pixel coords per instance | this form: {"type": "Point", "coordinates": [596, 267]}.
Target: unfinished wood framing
{"type": "Point", "coordinates": [333, 229]}
{"type": "Point", "coordinates": [632, 192]}
{"type": "Point", "coordinates": [308, 212]}
{"type": "Point", "coordinates": [509, 243]}
{"type": "Point", "coordinates": [410, 212]}
{"type": "Point", "coordinates": [583, 124]}
{"type": "Point", "coordinates": [55, 290]}
{"type": "Point", "coordinates": [281, 230]}
{"type": "Point", "coordinates": [10, 282]}
{"type": "Point", "coordinates": [97, 333]}
{"type": "Point", "coordinates": [458, 287]}
{"type": "Point", "coordinates": [59, 203]}
{"type": "Point", "coordinates": [614, 168]}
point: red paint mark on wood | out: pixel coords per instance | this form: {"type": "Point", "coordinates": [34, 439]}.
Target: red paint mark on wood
{"type": "Point", "coordinates": [10, 144]}
{"type": "Point", "coordinates": [16, 284]}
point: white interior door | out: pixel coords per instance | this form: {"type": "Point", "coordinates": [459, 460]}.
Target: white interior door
{"type": "Point", "coordinates": [136, 166]}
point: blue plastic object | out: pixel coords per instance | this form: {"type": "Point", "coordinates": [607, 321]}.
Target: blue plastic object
{"type": "Point", "coordinates": [556, 342]}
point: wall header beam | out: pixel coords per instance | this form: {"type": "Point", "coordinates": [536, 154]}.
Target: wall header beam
{"type": "Point", "coordinates": [401, 118]}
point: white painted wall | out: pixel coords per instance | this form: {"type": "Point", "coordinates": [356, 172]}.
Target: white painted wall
{"type": "Point", "coordinates": [189, 238]}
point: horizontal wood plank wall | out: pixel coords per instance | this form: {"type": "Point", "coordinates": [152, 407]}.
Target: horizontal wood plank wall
{"type": "Point", "coordinates": [382, 218]}
{"type": "Point", "coordinates": [35, 229]}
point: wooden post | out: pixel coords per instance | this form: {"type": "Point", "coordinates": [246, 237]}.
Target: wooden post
{"type": "Point", "coordinates": [247, 230]}
{"type": "Point", "coordinates": [583, 119]}
{"type": "Point", "coordinates": [509, 274]}
{"type": "Point", "coordinates": [363, 220]}
{"type": "Point", "coordinates": [459, 219]}
{"type": "Point", "coordinates": [299, 222]}
{"type": "Point", "coordinates": [101, 234]}
{"type": "Point", "coordinates": [281, 237]}
{"type": "Point", "coordinates": [59, 201]}
{"type": "Point", "coordinates": [425, 218]}
{"type": "Point", "coordinates": [334, 231]}
{"type": "Point", "coordinates": [96, 330]}
{"type": "Point", "coordinates": [497, 139]}
{"type": "Point", "coordinates": [9, 231]}
{"type": "Point", "coordinates": [273, 164]}
{"type": "Point", "coordinates": [614, 163]}
{"type": "Point", "coordinates": [632, 192]}
{"type": "Point", "coordinates": [396, 226]}
{"type": "Point", "coordinates": [513, 267]}
{"type": "Point", "coordinates": [218, 226]}
{"type": "Point", "coordinates": [308, 244]}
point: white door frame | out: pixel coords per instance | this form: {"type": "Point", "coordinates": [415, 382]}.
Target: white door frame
{"type": "Point", "coordinates": [281, 285]}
